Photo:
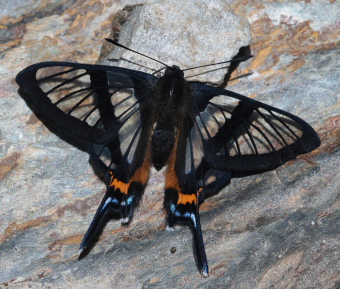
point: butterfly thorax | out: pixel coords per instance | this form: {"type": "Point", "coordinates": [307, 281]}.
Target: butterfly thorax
{"type": "Point", "coordinates": [170, 108]}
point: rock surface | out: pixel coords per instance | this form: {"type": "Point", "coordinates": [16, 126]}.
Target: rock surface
{"type": "Point", "coordinates": [180, 35]}
{"type": "Point", "coordinates": [275, 230]}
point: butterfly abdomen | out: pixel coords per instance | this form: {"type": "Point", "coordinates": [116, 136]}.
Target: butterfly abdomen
{"type": "Point", "coordinates": [162, 143]}
{"type": "Point", "coordinates": [169, 112]}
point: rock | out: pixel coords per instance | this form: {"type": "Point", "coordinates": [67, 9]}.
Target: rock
{"type": "Point", "coordinates": [198, 32]}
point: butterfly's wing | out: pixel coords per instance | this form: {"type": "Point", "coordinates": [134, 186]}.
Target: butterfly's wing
{"type": "Point", "coordinates": [92, 102]}
{"type": "Point", "coordinates": [225, 134]}
{"type": "Point", "coordinates": [106, 106]}
{"type": "Point", "coordinates": [242, 135]}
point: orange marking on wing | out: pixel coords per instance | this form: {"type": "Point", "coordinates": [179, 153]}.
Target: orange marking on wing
{"type": "Point", "coordinates": [123, 187]}
{"type": "Point", "coordinates": [171, 178]}
{"type": "Point", "coordinates": [187, 198]}
{"type": "Point", "coordinates": [142, 173]}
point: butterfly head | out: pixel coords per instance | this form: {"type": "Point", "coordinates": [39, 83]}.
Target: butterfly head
{"type": "Point", "coordinates": [174, 71]}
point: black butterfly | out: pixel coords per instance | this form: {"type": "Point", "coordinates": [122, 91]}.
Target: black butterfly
{"type": "Point", "coordinates": [203, 135]}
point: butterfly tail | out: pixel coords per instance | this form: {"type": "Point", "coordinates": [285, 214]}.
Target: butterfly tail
{"type": "Point", "coordinates": [183, 209]}
{"type": "Point", "coordinates": [108, 205]}
{"type": "Point", "coordinates": [199, 250]}
{"type": "Point", "coordinates": [120, 200]}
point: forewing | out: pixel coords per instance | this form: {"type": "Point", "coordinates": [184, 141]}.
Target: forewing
{"type": "Point", "coordinates": [96, 103]}
{"type": "Point", "coordinates": [241, 135]}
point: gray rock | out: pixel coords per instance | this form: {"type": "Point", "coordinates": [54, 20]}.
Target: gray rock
{"type": "Point", "coordinates": [197, 32]}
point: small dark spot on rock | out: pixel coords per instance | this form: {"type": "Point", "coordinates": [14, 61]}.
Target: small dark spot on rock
{"type": "Point", "coordinates": [173, 250]}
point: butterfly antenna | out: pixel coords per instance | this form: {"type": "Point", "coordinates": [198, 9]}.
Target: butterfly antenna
{"type": "Point", "coordinates": [243, 58]}
{"type": "Point", "coordinates": [129, 49]}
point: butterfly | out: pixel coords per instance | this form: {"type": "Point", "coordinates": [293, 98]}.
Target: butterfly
{"type": "Point", "coordinates": [201, 135]}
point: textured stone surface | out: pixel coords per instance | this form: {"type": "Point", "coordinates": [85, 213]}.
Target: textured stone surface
{"type": "Point", "coordinates": [180, 35]}
{"type": "Point", "coordinates": [275, 230]}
